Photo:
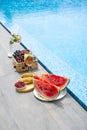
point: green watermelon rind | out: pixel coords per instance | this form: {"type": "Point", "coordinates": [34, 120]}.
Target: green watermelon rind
{"type": "Point", "coordinates": [65, 85]}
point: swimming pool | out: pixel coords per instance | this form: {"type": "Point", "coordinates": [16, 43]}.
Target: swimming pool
{"type": "Point", "coordinates": [56, 33]}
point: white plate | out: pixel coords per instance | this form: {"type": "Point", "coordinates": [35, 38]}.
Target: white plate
{"type": "Point", "coordinates": [61, 95]}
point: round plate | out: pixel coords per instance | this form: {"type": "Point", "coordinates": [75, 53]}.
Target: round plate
{"type": "Point", "coordinates": [27, 88]}
{"type": "Point", "coordinates": [61, 95]}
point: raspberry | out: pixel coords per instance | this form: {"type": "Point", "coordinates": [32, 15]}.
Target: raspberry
{"type": "Point", "coordinates": [19, 84]}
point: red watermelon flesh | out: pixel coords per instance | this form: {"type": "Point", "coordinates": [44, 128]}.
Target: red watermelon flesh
{"type": "Point", "coordinates": [57, 80]}
{"type": "Point", "coordinates": [45, 89]}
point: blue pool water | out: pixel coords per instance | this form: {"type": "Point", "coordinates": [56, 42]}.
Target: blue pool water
{"type": "Point", "coordinates": [56, 32]}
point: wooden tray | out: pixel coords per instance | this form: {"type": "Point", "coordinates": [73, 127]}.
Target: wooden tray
{"type": "Point", "coordinates": [20, 67]}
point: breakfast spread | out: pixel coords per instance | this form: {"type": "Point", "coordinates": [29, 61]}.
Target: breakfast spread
{"type": "Point", "coordinates": [47, 87]}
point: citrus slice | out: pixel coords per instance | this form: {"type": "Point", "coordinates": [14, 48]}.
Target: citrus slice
{"type": "Point", "coordinates": [28, 58]}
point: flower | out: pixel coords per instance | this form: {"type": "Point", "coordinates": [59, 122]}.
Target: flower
{"type": "Point", "coordinates": [15, 38]}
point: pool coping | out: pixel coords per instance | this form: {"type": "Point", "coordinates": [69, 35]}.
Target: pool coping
{"type": "Point", "coordinates": [68, 90]}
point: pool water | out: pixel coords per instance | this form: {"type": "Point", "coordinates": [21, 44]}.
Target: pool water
{"type": "Point", "coordinates": [56, 33]}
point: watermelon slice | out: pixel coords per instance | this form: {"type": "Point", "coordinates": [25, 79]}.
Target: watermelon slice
{"type": "Point", "coordinates": [57, 80]}
{"type": "Point", "coordinates": [45, 89]}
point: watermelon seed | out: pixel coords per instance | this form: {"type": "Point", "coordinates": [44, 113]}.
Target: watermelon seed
{"type": "Point", "coordinates": [51, 90]}
{"type": "Point", "coordinates": [40, 88]}
{"type": "Point", "coordinates": [45, 88]}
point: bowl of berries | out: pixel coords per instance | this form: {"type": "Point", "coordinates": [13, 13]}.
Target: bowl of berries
{"type": "Point", "coordinates": [19, 85]}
